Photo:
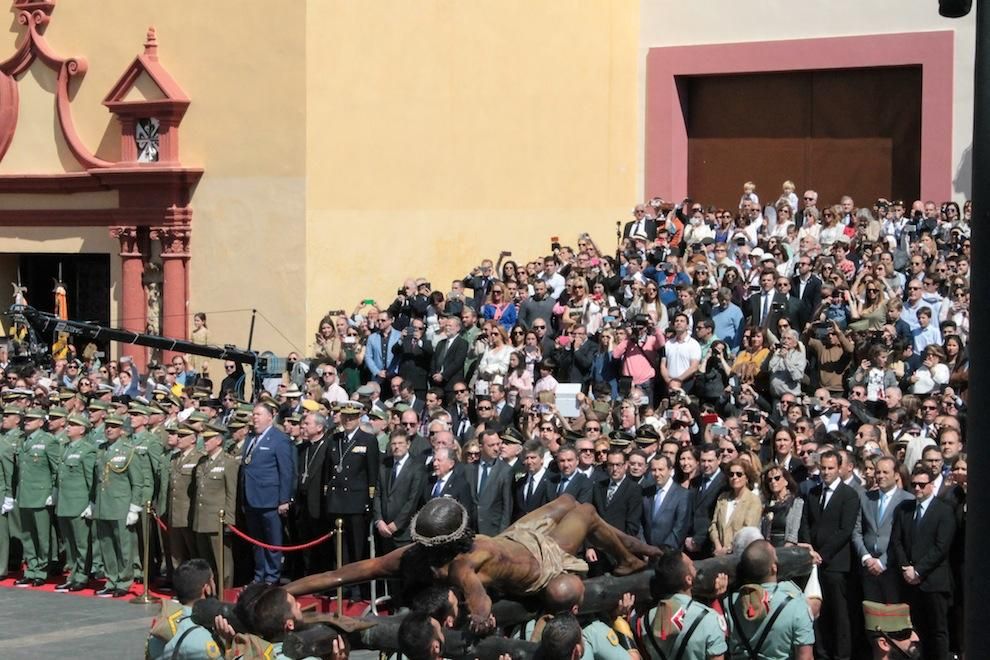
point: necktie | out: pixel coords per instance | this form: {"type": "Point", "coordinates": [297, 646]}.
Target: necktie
{"type": "Point", "coordinates": [437, 488]}
{"type": "Point", "coordinates": [563, 485]}
{"type": "Point", "coordinates": [881, 507]}
{"type": "Point", "coordinates": [918, 515]}
{"type": "Point", "coordinates": [484, 477]}
{"type": "Point", "coordinates": [658, 502]}
{"type": "Point", "coordinates": [612, 487]}
{"type": "Point", "coordinates": [766, 306]}
{"type": "Point", "coordinates": [825, 492]}
{"type": "Point", "coordinates": [704, 483]}
{"type": "Point", "coordinates": [529, 488]}
{"type": "Point", "coordinates": [442, 352]}
{"type": "Point", "coordinates": [395, 472]}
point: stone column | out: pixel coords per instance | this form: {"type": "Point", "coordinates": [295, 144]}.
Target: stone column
{"type": "Point", "coordinates": [175, 281]}
{"type": "Point", "coordinates": [133, 304]}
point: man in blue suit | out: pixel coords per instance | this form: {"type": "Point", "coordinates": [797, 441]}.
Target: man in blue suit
{"type": "Point", "coordinates": [871, 535]}
{"type": "Point", "coordinates": [268, 477]}
{"type": "Point", "coordinates": [667, 513]}
{"type": "Point", "coordinates": [379, 357]}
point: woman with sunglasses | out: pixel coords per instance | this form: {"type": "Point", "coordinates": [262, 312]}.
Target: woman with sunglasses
{"type": "Point", "coordinates": [832, 229]}
{"type": "Point", "coordinates": [735, 508]}
{"type": "Point", "coordinates": [494, 363]}
{"type": "Point", "coordinates": [352, 360]}
{"type": "Point", "coordinates": [868, 303]}
{"type": "Point", "coordinates": [784, 520]}
{"type": "Point", "coordinates": [500, 307]}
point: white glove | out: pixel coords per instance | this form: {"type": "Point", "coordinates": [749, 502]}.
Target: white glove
{"type": "Point", "coordinates": [132, 515]}
{"type": "Point", "coordinates": [87, 513]}
{"type": "Point", "coordinates": [7, 506]}
{"type": "Point", "coordinates": [49, 501]}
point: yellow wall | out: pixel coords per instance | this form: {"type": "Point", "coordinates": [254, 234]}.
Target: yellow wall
{"type": "Point", "coordinates": [432, 133]}
{"type": "Point", "coordinates": [440, 132]}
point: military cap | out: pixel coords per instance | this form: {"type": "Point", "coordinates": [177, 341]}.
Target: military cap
{"type": "Point", "coordinates": [351, 408]}
{"type": "Point", "coordinates": [211, 403]}
{"type": "Point", "coordinates": [114, 420]}
{"type": "Point", "coordinates": [886, 618]}
{"type": "Point", "coordinates": [573, 436]}
{"type": "Point", "coordinates": [237, 422]}
{"type": "Point", "coordinates": [199, 394]}
{"type": "Point", "coordinates": [10, 395]}
{"type": "Point", "coordinates": [243, 406]}
{"type": "Point", "coordinates": [294, 418]}
{"type": "Point", "coordinates": [619, 439]}
{"type": "Point", "coordinates": [97, 404]}
{"type": "Point", "coordinates": [104, 388]}
{"type": "Point", "coordinates": [65, 395]}
{"type": "Point", "coordinates": [34, 413]}
{"type": "Point", "coordinates": [401, 407]}
{"type": "Point", "coordinates": [138, 409]}
{"type": "Point", "coordinates": [210, 433]}
{"type": "Point", "coordinates": [57, 412]}
{"type": "Point", "coordinates": [378, 413]}
{"type": "Point", "coordinates": [512, 436]}
{"type": "Point", "coordinates": [216, 426]}
{"type": "Point", "coordinates": [185, 429]}
{"type": "Point", "coordinates": [76, 419]}
{"type": "Point", "coordinates": [365, 390]}
{"type": "Point", "coordinates": [646, 435]}
{"type": "Point", "coordinates": [22, 393]}
{"type": "Point", "coordinates": [198, 416]}
{"type": "Point", "coordinates": [171, 427]}
{"type": "Point", "coordinates": [13, 410]}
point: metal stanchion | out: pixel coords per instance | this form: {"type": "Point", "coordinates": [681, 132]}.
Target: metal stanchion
{"type": "Point", "coordinates": [145, 598]}
{"type": "Point", "coordinates": [221, 568]}
{"type": "Point", "coordinates": [340, 562]}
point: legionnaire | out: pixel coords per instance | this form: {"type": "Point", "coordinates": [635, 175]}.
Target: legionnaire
{"type": "Point", "coordinates": [37, 466]}
{"type": "Point", "coordinates": [148, 456]}
{"type": "Point", "coordinates": [216, 489]}
{"type": "Point", "coordinates": [351, 476]}
{"type": "Point", "coordinates": [182, 541]}
{"type": "Point", "coordinates": [120, 486]}
{"type": "Point", "coordinates": [7, 484]}
{"type": "Point", "coordinates": [238, 428]}
{"type": "Point", "coordinates": [890, 632]}
{"type": "Point", "coordinates": [173, 632]}
{"type": "Point", "coordinates": [56, 424]}
{"type": "Point", "coordinates": [768, 619]}
{"type": "Point", "coordinates": [76, 474]}
{"type": "Point", "coordinates": [679, 626]}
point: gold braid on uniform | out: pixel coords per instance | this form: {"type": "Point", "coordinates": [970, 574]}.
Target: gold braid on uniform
{"type": "Point", "coordinates": [108, 467]}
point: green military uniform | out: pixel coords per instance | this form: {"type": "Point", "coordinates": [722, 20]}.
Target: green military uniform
{"type": "Point", "coordinates": [771, 620]}
{"type": "Point", "coordinates": [174, 632]}
{"type": "Point", "coordinates": [216, 489]}
{"type": "Point", "coordinates": [55, 550]}
{"type": "Point", "coordinates": [603, 642]}
{"type": "Point", "coordinates": [76, 478]}
{"type": "Point", "coordinates": [7, 476]}
{"type": "Point", "coordinates": [37, 467]}
{"type": "Point", "coordinates": [121, 485]}
{"type": "Point", "coordinates": [12, 519]}
{"type": "Point", "coordinates": [149, 455]}
{"type": "Point", "coordinates": [681, 627]}
{"type": "Point", "coordinates": [182, 541]}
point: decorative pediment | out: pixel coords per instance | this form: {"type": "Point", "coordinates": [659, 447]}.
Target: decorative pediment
{"type": "Point", "coordinates": [146, 88]}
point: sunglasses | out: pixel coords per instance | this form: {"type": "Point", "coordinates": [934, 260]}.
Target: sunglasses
{"type": "Point", "coordinates": [737, 475]}
{"type": "Point", "coordinates": [592, 428]}
{"type": "Point", "coordinates": [460, 390]}
{"type": "Point", "coordinates": [587, 451]}
{"type": "Point", "coordinates": [484, 408]}
{"type": "Point", "coordinates": [775, 477]}
{"type": "Point", "coordinates": [919, 484]}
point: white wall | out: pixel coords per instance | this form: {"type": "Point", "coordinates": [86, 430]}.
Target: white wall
{"type": "Point", "coordinates": [667, 23]}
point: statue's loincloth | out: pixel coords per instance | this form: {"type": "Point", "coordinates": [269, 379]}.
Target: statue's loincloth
{"type": "Point", "coordinates": [535, 537]}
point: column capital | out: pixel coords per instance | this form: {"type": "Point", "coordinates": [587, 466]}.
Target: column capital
{"type": "Point", "coordinates": [128, 237]}
{"type": "Point", "coordinates": [174, 240]}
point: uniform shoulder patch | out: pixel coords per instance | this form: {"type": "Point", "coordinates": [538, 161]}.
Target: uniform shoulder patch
{"type": "Point", "coordinates": [212, 650]}
{"type": "Point", "coordinates": [612, 638]}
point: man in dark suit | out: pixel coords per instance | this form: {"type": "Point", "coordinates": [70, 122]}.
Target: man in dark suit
{"type": "Point", "coordinates": [268, 482]}
{"type": "Point", "coordinates": [401, 480]}
{"type": "Point", "coordinates": [448, 357]}
{"type": "Point", "coordinates": [491, 481]}
{"type": "Point", "coordinates": [640, 224]}
{"type": "Point", "coordinates": [705, 489]}
{"type": "Point", "coordinates": [480, 282]}
{"type": "Point", "coordinates": [503, 413]}
{"type": "Point", "coordinates": [919, 550]}
{"type": "Point", "coordinates": [568, 479]}
{"type": "Point", "coordinates": [666, 507]}
{"type": "Point", "coordinates": [414, 355]}
{"type": "Point", "coordinates": [532, 490]}
{"type": "Point", "coordinates": [806, 288]}
{"type": "Point", "coordinates": [460, 412]}
{"type": "Point", "coordinates": [618, 500]}
{"type": "Point", "coordinates": [833, 508]}
{"type": "Point", "coordinates": [871, 536]}
{"type": "Point", "coordinates": [309, 518]}
{"type": "Point", "coordinates": [350, 480]}
{"type": "Point", "coordinates": [768, 305]}
{"type": "Point", "coordinates": [448, 480]}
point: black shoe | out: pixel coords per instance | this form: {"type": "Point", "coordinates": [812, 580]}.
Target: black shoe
{"type": "Point", "coordinates": [77, 586]}
{"type": "Point", "coordinates": [105, 592]}
{"type": "Point", "coordinates": [64, 586]}
{"type": "Point", "coordinates": [38, 582]}
{"type": "Point", "coordinates": [99, 575]}
{"type": "Point", "coordinates": [23, 582]}
{"type": "Point", "coordinates": [120, 593]}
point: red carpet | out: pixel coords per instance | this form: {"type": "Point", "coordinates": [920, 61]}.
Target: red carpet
{"type": "Point", "coordinates": [316, 603]}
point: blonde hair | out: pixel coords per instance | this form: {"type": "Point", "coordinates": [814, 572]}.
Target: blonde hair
{"type": "Point", "coordinates": [750, 186]}
{"type": "Point", "coordinates": [789, 185]}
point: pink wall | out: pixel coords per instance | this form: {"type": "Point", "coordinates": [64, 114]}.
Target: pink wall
{"type": "Point", "coordinates": [666, 130]}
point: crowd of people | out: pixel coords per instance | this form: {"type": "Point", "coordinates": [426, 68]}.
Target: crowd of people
{"type": "Point", "coordinates": [796, 368]}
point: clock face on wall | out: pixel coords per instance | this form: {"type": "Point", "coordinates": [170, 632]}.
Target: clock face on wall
{"type": "Point", "coordinates": [146, 136]}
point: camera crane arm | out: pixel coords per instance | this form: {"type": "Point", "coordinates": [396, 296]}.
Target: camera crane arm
{"type": "Point", "coordinates": [43, 324]}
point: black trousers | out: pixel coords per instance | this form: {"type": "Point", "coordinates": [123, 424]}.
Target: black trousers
{"type": "Point", "coordinates": [317, 558]}
{"type": "Point", "coordinates": [833, 635]}
{"type": "Point", "coordinates": [930, 616]}
{"type": "Point", "coordinates": [884, 588]}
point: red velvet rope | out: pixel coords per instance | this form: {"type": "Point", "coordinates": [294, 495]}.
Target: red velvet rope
{"type": "Point", "coordinates": [280, 548]}
{"type": "Point", "coordinates": [161, 523]}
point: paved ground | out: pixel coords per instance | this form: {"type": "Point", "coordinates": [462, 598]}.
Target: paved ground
{"type": "Point", "coordinates": [48, 625]}
{"type": "Point", "coordinates": [35, 624]}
